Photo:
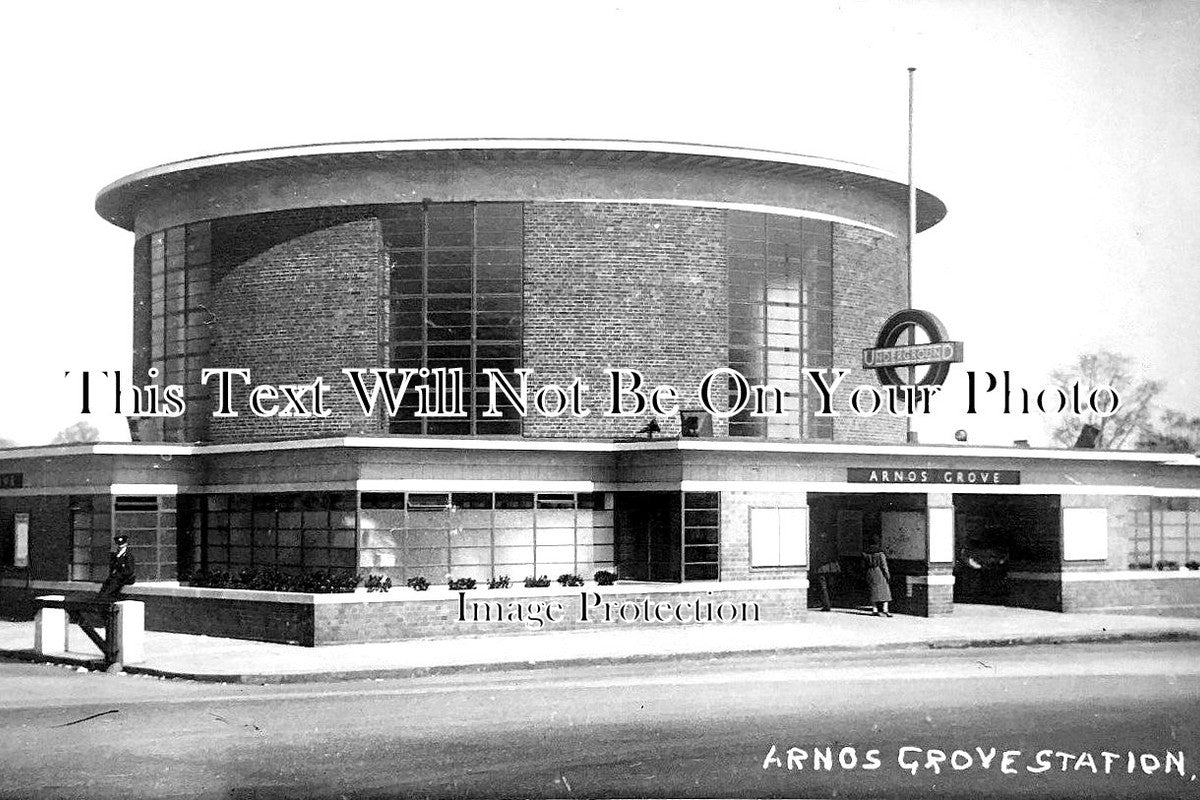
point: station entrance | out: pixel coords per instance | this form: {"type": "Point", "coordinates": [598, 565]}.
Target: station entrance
{"type": "Point", "coordinates": [995, 535]}
{"type": "Point", "coordinates": [843, 527]}
{"type": "Point", "coordinates": [941, 548]}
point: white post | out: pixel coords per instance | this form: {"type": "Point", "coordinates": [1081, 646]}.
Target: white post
{"type": "Point", "coordinates": [50, 629]}
{"type": "Point", "coordinates": [130, 632]}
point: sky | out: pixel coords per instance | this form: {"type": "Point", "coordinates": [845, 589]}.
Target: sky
{"type": "Point", "coordinates": [1064, 137]}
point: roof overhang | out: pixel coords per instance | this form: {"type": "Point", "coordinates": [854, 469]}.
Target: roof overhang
{"type": "Point", "coordinates": [948, 452]}
{"type": "Point", "coordinates": [118, 202]}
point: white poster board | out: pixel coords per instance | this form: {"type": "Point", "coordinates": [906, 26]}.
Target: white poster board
{"type": "Point", "coordinates": [793, 537]}
{"type": "Point", "coordinates": [1085, 534]}
{"type": "Point", "coordinates": [778, 537]}
{"type": "Point", "coordinates": [764, 537]}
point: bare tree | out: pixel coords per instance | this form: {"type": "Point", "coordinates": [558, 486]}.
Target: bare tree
{"type": "Point", "coordinates": [79, 432]}
{"type": "Point", "coordinates": [1175, 432]}
{"type": "Point", "coordinates": [1135, 412]}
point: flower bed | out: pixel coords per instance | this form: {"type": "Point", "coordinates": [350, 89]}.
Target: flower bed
{"type": "Point", "coordinates": [273, 580]}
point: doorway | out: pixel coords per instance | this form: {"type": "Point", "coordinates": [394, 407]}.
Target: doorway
{"type": "Point", "coordinates": [842, 527]}
{"type": "Point", "coordinates": [998, 534]}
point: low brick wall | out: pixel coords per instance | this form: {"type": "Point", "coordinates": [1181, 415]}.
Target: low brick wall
{"type": "Point", "coordinates": [484, 612]}
{"type": "Point", "coordinates": [262, 616]}
{"type": "Point", "coordinates": [1149, 591]}
{"type": "Point", "coordinates": [284, 622]}
{"type": "Point", "coordinates": [1099, 591]}
{"type": "Point", "coordinates": [309, 620]}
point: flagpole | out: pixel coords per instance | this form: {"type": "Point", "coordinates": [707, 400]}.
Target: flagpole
{"type": "Point", "coordinates": [912, 215]}
{"type": "Point", "coordinates": [912, 188]}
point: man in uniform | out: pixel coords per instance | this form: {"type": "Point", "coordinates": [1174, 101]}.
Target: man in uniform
{"type": "Point", "coordinates": [121, 570]}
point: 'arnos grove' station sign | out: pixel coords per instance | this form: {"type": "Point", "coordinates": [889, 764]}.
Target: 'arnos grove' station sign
{"type": "Point", "coordinates": [955, 477]}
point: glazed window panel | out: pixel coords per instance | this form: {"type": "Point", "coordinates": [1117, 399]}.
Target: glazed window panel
{"type": "Point", "coordinates": [1166, 536]}
{"type": "Point", "coordinates": [455, 295]}
{"type": "Point", "coordinates": [150, 523]}
{"type": "Point", "coordinates": [450, 225]}
{"type": "Point", "coordinates": [780, 316]}
{"type": "Point", "coordinates": [91, 536]}
{"type": "Point", "coordinates": [292, 531]}
{"type": "Point", "coordinates": [701, 536]}
{"type": "Point", "coordinates": [405, 534]}
{"type": "Point", "coordinates": [483, 535]}
{"type": "Point", "coordinates": [404, 226]}
{"type": "Point", "coordinates": [174, 282]}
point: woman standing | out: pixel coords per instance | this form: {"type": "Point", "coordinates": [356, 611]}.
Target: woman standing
{"type": "Point", "coordinates": [878, 579]}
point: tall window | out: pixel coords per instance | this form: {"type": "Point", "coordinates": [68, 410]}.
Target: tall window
{"type": "Point", "coordinates": [455, 302]}
{"type": "Point", "coordinates": [91, 536]}
{"type": "Point", "coordinates": [149, 523]}
{"type": "Point", "coordinates": [172, 269]}
{"type": "Point", "coordinates": [701, 536]}
{"type": "Point", "coordinates": [780, 316]}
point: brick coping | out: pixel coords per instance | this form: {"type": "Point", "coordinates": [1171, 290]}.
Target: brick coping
{"type": "Point", "coordinates": [1113, 575]}
{"type": "Point", "coordinates": [405, 595]}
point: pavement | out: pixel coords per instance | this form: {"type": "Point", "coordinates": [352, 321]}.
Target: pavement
{"type": "Point", "coordinates": [207, 658]}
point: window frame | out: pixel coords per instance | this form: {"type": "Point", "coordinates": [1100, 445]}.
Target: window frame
{"type": "Point", "coordinates": [458, 312]}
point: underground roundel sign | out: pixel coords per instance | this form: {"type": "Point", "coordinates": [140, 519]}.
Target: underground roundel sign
{"type": "Point", "coordinates": [899, 345]}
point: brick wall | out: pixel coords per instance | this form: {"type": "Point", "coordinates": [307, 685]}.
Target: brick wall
{"type": "Point", "coordinates": [391, 619]}
{"type": "Point", "coordinates": [283, 623]}
{"type": "Point", "coordinates": [1162, 591]}
{"type": "Point", "coordinates": [735, 535]}
{"type": "Point", "coordinates": [49, 536]}
{"type": "Point", "coordinates": [926, 601]}
{"type": "Point", "coordinates": [296, 296]}
{"type": "Point", "coordinates": [1121, 527]}
{"type": "Point", "coordinates": [870, 283]}
{"type": "Point", "coordinates": [622, 285]}
{"type": "Point", "coordinates": [438, 618]}
{"type": "Point", "coordinates": [1146, 594]}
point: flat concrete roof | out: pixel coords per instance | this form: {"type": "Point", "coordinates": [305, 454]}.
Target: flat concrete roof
{"type": "Point", "coordinates": [948, 451]}
{"type": "Point", "coordinates": [118, 202]}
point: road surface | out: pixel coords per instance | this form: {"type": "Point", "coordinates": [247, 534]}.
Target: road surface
{"type": "Point", "coordinates": [1051, 721]}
